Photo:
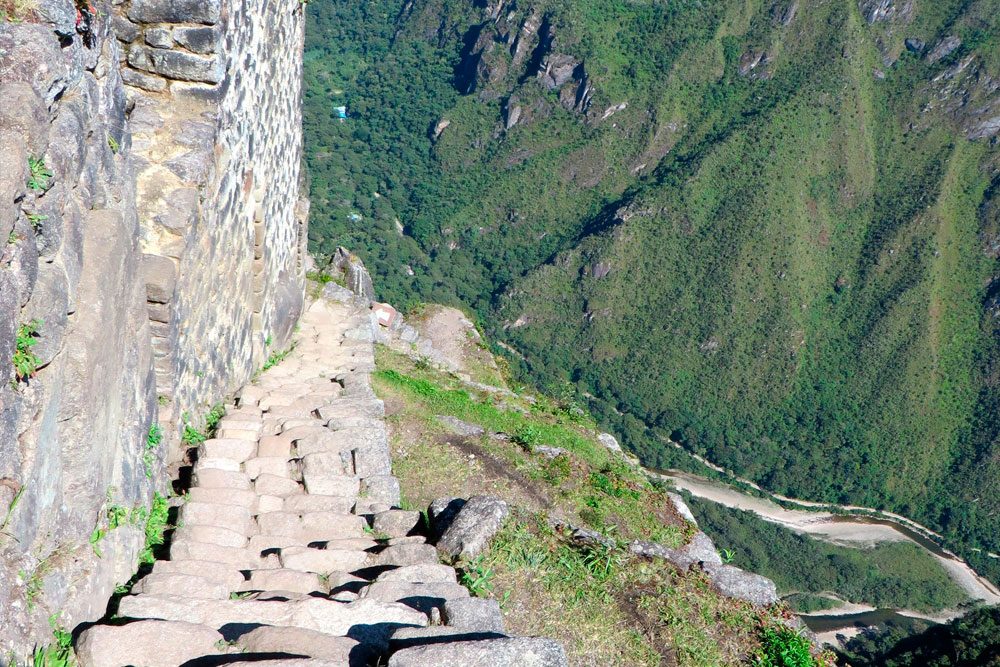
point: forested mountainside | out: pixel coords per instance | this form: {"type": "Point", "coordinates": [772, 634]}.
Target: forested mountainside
{"type": "Point", "coordinates": [768, 230]}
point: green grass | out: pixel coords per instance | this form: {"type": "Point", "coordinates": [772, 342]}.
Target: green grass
{"type": "Point", "coordinates": [57, 654]}
{"type": "Point", "coordinates": [784, 647]}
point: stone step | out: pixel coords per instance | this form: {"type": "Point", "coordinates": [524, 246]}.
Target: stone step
{"type": "Point", "coordinates": [149, 643]}
{"type": "Point", "coordinates": [299, 641]}
{"type": "Point", "coordinates": [241, 559]}
{"type": "Point", "coordinates": [323, 561]}
{"type": "Point", "coordinates": [223, 496]}
{"type": "Point", "coordinates": [422, 597]}
{"type": "Point", "coordinates": [267, 465]}
{"type": "Point", "coordinates": [233, 517]}
{"type": "Point", "coordinates": [222, 537]}
{"type": "Point", "coordinates": [186, 585]}
{"type": "Point", "coordinates": [426, 573]}
{"type": "Point", "coordinates": [223, 573]}
{"type": "Point", "coordinates": [507, 652]}
{"type": "Point", "coordinates": [326, 616]}
{"type": "Point", "coordinates": [274, 485]}
{"type": "Point", "coordinates": [285, 580]}
{"type": "Point", "coordinates": [220, 479]}
{"type": "Point", "coordinates": [232, 448]}
{"type": "Point", "coordinates": [330, 483]}
{"type": "Point", "coordinates": [312, 526]}
{"type": "Point", "coordinates": [436, 634]}
{"type": "Point", "coordinates": [314, 502]}
{"type": "Point", "coordinates": [402, 555]}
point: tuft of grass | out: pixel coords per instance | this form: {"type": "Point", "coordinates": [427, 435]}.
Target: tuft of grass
{"type": "Point", "coordinates": [38, 175]}
{"type": "Point", "coordinates": [113, 144]}
{"type": "Point", "coordinates": [193, 436]}
{"type": "Point", "coordinates": [24, 360]}
{"type": "Point", "coordinates": [36, 220]}
{"type": "Point", "coordinates": [478, 578]}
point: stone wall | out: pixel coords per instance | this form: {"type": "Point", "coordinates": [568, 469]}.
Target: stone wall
{"type": "Point", "coordinates": [163, 260]}
{"type": "Point", "coordinates": [73, 427]}
{"type": "Point", "coordinates": [217, 88]}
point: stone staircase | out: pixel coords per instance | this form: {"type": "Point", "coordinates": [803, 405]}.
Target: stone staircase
{"type": "Point", "coordinates": [290, 548]}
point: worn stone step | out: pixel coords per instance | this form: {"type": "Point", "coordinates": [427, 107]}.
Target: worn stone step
{"type": "Point", "coordinates": [268, 503]}
{"type": "Point", "coordinates": [275, 445]}
{"type": "Point", "coordinates": [233, 517]}
{"type": "Point", "coordinates": [232, 448]}
{"type": "Point", "coordinates": [239, 558]}
{"type": "Point", "coordinates": [436, 634]}
{"type": "Point", "coordinates": [425, 573]}
{"type": "Point", "coordinates": [239, 434]}
{"type": "Point", "coordinates": [220, 479]}
{"type": "Point", "coordinates": [323, 561]}
{"type": "Point", "coordinates": [330, 483]}
{"type": "Point", "coordinates": [313, 502]}
{"type": "Point", "coordinates": [406, 554]}
{"type": "Point", "coordinates": [215, 463]}
{"type": "Point", "coordinates": [327, 616]}
{"type": "Point", "coordinates": [423, 597]}
{"type": "Point", "coordinates": [223, 496]}
{"type": "Point", "coordinates": [395, 523]}
{"type": "Point", "coordinates": [381, 488]}
{"type": "Point", "coordinates": [299, 641]}
{"type": "Point", "coordinates": [312, 526]}
{"type": "Point", "coordinates": [267, 465]}
{"type": "Point", "coordinates": [146, 643]}
{"type": "Point", "coordinates": [187, 585]}
{"type": "Point", "coordinates": [274, 485]}
{"type": "Point", "coordinates": [507, 652]}
{"type": "Point", "coordinates": [285, 580]}
{"type": "Point", "coordinates": [211, 535]}
{"type": "Point", "coordinates": [223, 573]}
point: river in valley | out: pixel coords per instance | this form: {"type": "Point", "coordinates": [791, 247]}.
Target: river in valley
{"type": "Point", "coordinates": [846, 530]}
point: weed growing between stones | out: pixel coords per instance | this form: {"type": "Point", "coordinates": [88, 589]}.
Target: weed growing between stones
{"type": "Point", "coordinates": [60, 652]}
{"type": "Point", "coordinates": [193, 436]}
{"type": "Point", "coordinates": [153, 440]}
{"type": "Point", "coordinates": [25, 361]}
{"type": "Point", "coordinates": [38, 175]}
{"type": "Point", "coordinates": [157, 523]}
{"type": "Point", "coordinates": [36, 220]}
{"type": "Point", "coordinates": [477, 578]}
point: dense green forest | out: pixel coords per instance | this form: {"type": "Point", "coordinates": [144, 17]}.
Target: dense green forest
{"type": "Point", "coordinates": [766, 229]}
{"type": "Point", "coordinates": [971, 641]}
{"type": "Point", "coordinates": [897, 575]}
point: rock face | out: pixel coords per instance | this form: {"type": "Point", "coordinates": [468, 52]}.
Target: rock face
{"type": "Point", "coordinates": [149, 154]}
{"type": "Point", "coordinates": [73, 425]}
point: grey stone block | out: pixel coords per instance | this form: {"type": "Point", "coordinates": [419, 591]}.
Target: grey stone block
{"type": "Point", "coordinates": [176, 64]}
{"type": "Point", "coordinates": [198, 39]}
{"type": "Point", "coordinates": [509, 652]}
{"type": "Point", "coordinates": [475, 614]}
{"type": "Point", "coordinates": [159, 38]}
{"type": "Point", "coordinates": [161, 278]}
{"type": "Point", "coordinates": [474, 525]}
{"type": "Point", "coordinates": [153, 84]}
{"type": "Point", "coordinates": [175, 11]}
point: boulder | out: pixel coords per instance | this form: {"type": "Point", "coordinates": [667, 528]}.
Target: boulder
{"type": "Point", "coordinates": [473, 527]}
{"type": "Point", "coordinates": [441, 513]}
{"type": "Point", "coordinates": [741, 585]}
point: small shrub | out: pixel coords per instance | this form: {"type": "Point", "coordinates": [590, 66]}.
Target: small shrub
{"type": "Point", "coordinates": [784, 647]}
{"type": "Point", "coordinates": [36, 220]}
{"type": "Point", "coordinates": [527, 436]}
{"type": "Point", "coordinates": [38, 174]}
{"type": "Point", "coordinates": [25, 361]}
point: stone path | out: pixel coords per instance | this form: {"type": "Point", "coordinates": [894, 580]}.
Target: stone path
{"type": "Point", "coordinates": [290, 549]}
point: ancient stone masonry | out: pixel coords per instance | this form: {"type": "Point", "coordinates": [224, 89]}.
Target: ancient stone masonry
{"type": "Point", "coordinates": [152, 235]}
{"type": "Point", "coordinates": [216, 86]}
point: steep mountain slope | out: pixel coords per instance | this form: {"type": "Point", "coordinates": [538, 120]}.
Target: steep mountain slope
{"type": "Point", "coordinates": [767, 230]}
